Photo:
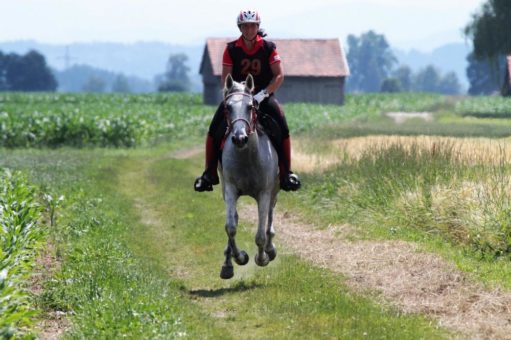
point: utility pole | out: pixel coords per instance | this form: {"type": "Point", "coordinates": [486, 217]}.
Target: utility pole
{"type": "Point", "coordinates": [67, 58]}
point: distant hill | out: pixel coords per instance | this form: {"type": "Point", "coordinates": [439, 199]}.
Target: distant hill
{"type": "Point", "coordinates": [148, 59]}
{"type": "Point", "coordinates": [450, 57]}
{"type": "Point", "coordinates": [75, 78]}
{"type": "Point", "coordinates": [142, 59]}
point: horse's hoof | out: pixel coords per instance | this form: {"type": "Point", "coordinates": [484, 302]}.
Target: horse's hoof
{"type": "Point", "coordinates": [242, 258]}
{"type": "Point", "coordinates": [272, 254]}
{"type": "Point", "coordinates": [227, 272]}
{"type": "Point", "coordinates": [262, 260]}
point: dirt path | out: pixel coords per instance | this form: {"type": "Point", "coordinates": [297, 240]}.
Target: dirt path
{"type": "Point", "coordinates": [414, 281]}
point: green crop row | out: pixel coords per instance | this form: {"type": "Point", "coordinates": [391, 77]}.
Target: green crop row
{"type": "Point", "coordinates": [82, 120]}
{"type": "Point", "coordinates": [485, 107]}
{"type": "Point", "coordinates": [20, 232]}
{"type": "Point", "coordinates": [128, 120]}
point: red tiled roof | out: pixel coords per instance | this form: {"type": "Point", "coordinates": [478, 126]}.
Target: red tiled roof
{"type": "Point", "coordinates": [300, 57]}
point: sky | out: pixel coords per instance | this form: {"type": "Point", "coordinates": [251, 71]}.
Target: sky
{"type": "Point", "coordinates": [418, 24]}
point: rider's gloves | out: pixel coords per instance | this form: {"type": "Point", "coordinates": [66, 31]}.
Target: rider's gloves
{"type": "Point", "coordinates": [261, 95]}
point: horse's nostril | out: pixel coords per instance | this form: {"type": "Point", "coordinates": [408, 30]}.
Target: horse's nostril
{"type": "Point", "coordinates": [245, 139]}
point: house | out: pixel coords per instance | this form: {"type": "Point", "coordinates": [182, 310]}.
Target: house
{"type": "Point", "coordinates": [506, 87]}
{"type": "Point", "coordinates": [315, 70]}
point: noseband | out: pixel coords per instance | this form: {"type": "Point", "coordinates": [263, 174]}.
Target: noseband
{"type": "Point", "coordinates": [253, 115]}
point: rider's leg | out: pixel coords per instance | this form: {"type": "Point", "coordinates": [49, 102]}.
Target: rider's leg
{"type": "Point", "coordinates": [213, 141]}
{"type": "Point", "coordinates": [288, 180]}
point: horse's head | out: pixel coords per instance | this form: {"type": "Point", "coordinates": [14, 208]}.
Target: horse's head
{"type": "Point", "coordinates": [240, 112]}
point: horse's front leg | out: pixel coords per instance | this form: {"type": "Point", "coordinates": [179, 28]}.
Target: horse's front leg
{"type": "Point", "coordinates": [263, 205]}
{"type": "Point", "coordinates": [269, 247]}
{"type": "Point", "coordinates": [231, 223]}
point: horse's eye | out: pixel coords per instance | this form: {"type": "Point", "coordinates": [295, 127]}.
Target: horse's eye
{"type": "Point", "coordinates": [250, 106]}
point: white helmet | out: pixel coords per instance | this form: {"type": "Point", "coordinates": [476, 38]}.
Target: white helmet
{"type": "Point", "coordinates": [248, 16]}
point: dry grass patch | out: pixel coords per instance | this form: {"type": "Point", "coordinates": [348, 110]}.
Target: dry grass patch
{"type": "Point", "coordinates": [414, 281]}
{"type": "Point", "coordinates": [466, 150]}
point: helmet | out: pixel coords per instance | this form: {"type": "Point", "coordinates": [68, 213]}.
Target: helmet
{"type": "Point", "coordinates": [248, 16]}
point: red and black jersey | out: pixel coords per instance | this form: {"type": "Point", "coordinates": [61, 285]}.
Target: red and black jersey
{"type": "Point", "coordinates": [256, 61]}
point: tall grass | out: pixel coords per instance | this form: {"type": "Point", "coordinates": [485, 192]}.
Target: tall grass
{"type": "Point", "coordinates": [436, 187]}
{"type": "Point", "coordinates": [20, 232]}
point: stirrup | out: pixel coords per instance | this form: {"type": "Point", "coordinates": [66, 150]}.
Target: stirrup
{"type": "Point", "coordinates": [202, 184]}
{"type": "Point", "coordinates": [291, 182]}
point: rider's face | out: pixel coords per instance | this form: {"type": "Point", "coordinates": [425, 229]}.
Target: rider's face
{"type": "Point", "coordinates": [249, 30]}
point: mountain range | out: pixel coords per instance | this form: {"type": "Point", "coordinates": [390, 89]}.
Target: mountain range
{"type": "Point", "coordinates": [146, 60]}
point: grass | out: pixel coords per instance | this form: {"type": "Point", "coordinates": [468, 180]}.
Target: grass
{"type": "Point", "coordinates": [451, 195]}
{"type": "Point", "coordinates": [287, 299]}
{"type": "Point", "coordinates": [141, 253]}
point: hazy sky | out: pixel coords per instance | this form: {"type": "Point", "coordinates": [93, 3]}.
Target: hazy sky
{"type": "Point", "coordinates": [422, 24]}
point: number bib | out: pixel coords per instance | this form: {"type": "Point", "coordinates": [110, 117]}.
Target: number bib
{"type": "Point", "coordinates": [256, 64]}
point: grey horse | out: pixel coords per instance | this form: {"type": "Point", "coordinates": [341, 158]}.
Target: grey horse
{"type": "Point", "coordinates": [249, 167]}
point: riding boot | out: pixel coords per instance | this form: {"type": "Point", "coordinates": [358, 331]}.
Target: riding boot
{"type": "Point", "coordinates": [288, 180]}
{"type": "Point", "coordinates": [210, 175]}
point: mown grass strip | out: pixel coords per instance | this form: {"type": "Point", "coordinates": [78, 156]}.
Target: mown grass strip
{"type": "Point", "coordinates": [106, 291]}
{"type": "Point", "coordinates": [184, 236]}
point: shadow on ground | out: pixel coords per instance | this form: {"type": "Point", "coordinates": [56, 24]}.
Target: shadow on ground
{"type": "Point", "coordinates": [212, 293]}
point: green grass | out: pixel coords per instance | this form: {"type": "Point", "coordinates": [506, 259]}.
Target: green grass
{"type": "Point", "coordinates": [141, 254]}
{"type": "Point", "coordinates": [420, 193]}
{"type": "Point", "coordinates": [411, 128]}
{"type": "Point", "coordinates": [287, 299]}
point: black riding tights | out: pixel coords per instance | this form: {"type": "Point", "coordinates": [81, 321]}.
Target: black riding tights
{"type": "Point", "coordinates": [270, 106]}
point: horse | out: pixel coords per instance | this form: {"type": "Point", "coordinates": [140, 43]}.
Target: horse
{"type": "Point", "coordinates": [249, 166]}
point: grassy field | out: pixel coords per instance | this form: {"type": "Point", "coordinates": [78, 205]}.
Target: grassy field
{"type": "Point", "coordinates": [139, 252]}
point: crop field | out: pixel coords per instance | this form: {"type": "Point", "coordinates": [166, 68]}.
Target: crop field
{"type": "Point", "coordinates": [102, 235]}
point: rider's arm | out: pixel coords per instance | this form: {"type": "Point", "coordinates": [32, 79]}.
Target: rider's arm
{"type": "Point", "coordinates": [278, 77]}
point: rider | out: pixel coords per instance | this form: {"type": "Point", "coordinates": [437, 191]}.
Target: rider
{"type": "Point", "coordinates": [250, 53]}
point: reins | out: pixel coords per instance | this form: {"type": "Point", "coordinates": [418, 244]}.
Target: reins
{"type": "Point", "coordinates": [253, 115]}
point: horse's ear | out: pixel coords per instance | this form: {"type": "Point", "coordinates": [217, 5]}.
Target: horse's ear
{"type": "Point", "coordinates": [228, 82]}
{"type": "Point", "coordinates": [249, 83]}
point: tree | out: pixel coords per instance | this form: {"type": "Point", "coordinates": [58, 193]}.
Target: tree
{"type": "Point", "coordinates": [176, 77]}
{"type": "Point", "coordinates": [121, 84]}
{"type": "Point", "coordinates": [3, 70]}
{"type": "Point", "coordinates": [94, 84]}
{"type": "Point", "coordinates": [26, 73]}
{"type": "Point", "coordinates": [371, 61]}
{"type": "Point", "coordinates": [404, 75]}
{"type": "Point", "coordinates": [489, 30]}
{"type": "Point", "coordinates": [391, 85]}
{"type": "Point", "coordinates": [449, 84]}
{"type": "Point", "coordinates": [427, 79]}
{"type": "Point", "coordinates": [484, 77]}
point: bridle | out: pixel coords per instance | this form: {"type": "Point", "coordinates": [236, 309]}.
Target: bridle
{"type": "Point", "coordinates": [253, 115]}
